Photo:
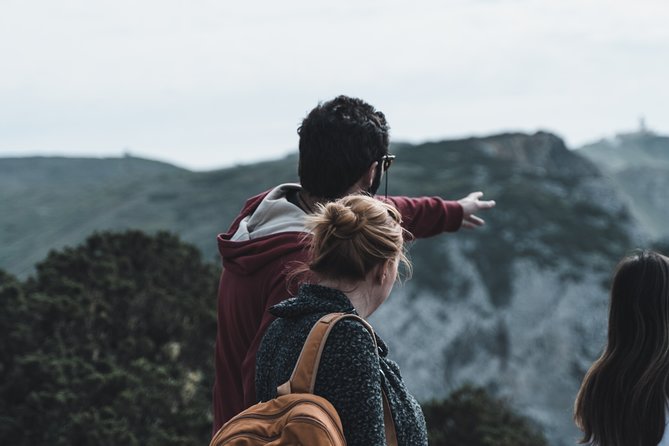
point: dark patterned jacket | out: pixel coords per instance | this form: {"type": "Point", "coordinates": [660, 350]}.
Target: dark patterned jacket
{"type": "Point", "coordinates": [350, 374]}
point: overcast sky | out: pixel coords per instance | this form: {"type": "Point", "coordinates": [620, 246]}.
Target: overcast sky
{"type": "Point", "coordinates": [206, 84]}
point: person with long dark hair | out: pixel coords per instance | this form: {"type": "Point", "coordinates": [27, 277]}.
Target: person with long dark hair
{"type": "Point", "coordinates": [623, 398]}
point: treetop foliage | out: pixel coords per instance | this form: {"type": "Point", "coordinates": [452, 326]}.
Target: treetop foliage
{"type": "Point", "coordinates": [110, 343]}
{"type": "Point", "coordinates": [471, 417]}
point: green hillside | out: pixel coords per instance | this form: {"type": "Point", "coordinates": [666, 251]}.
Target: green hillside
{"type": "Point", "coordinates": [48, 203]}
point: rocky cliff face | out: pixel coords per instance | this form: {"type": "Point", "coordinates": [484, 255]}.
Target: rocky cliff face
{"type": "Point", "coordinates": [518, 307]}
{"type": "Point", "coordinates": [534, 351]}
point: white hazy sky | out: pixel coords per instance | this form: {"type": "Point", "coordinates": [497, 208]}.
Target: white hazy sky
{"type": "Point", "coordinates": [205, 84]}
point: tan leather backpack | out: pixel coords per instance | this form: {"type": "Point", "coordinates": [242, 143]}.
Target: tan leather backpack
{"type": "Point", "coordinates": [297, 416]}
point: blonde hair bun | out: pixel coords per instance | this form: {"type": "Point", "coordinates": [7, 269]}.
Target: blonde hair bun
{"type": "Point", "coordinates": [342, 222]}
{"type": "Point", "coordinates": [352, 235]}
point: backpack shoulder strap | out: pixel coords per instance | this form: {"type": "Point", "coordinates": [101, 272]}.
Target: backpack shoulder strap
{"type": "Point", "coordinates": [304, 374]}
{"type": "Point", "coordinates": [303, 378]}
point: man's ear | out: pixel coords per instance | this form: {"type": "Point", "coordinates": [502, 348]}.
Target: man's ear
{"type": "Point", "coordinates": [365, 181]}
{"type": "Point", "coordinates": [368, 177]}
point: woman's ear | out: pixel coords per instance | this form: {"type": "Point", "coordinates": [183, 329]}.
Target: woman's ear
{"type": "Point", "coordinates": [379, 273]}
{"type": "Point", "coordinates": [383, 271]}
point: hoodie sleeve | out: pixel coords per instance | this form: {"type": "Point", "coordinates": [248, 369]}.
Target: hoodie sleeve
{"type": "Point", "coordinates": [428, 216]}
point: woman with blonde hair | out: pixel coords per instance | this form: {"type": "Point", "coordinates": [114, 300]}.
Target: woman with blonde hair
{"type": "Point", "coordinates": [623, 398]}
{"type": "Point", "coordinates": [356, 246]}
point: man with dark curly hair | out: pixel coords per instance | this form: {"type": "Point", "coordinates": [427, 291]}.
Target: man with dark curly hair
{"type": "Point", "coordinates": [343, 149]}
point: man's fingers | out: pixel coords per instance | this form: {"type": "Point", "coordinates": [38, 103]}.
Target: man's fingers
{"type": "Point", "coordinates": [472, 223]}
{"type": "Point", "coordinates": [474, 220]}
{"type": "Point", "coordinates": [486, 204]}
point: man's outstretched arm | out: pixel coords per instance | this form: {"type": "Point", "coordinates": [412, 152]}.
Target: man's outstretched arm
{"type": "Point", "coordinates": [429, 216]}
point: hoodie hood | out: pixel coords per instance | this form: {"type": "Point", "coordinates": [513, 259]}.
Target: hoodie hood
{"type": "Point", "coordinates": [273, 214]}
{"type": "Point", "coordinates": [268, 227]}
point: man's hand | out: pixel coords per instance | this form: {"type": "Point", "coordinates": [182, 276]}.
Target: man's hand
{"type": "Point", "coordinates": [471, 204]}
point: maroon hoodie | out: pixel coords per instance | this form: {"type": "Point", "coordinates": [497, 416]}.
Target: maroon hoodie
{"type": "Point", "coordinates": [257, 252]}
